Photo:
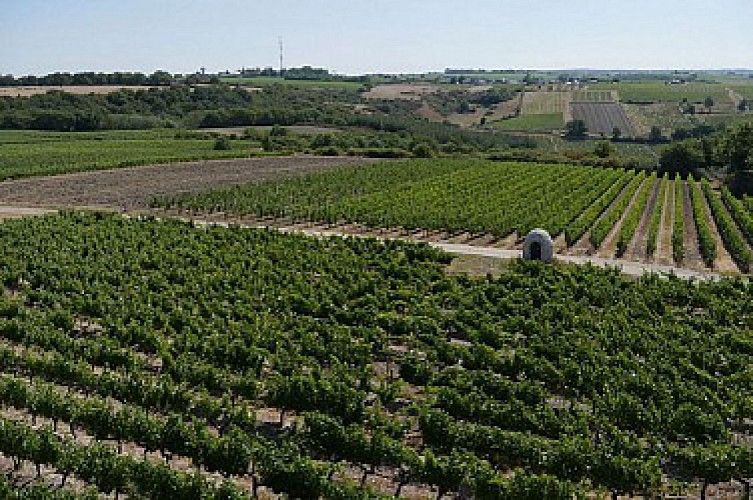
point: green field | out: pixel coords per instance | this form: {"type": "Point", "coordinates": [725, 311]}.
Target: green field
{"type": "Point", "coordinates": [661, 92]}
{"type": "Point", "coordinates": [647, 154]}
{"type": "Point", "coordinates": [544, 121]}
{"type": "Point", "coordinates": [269, 362]}
{"type": "Point", "coordinates": [744, 89]}
{"type": "Point", "coordinates": [500, 75]}
{"type": "Point", "coordinates": [261, 81]}
{"type": "Point", "coordinates": [25, 153]}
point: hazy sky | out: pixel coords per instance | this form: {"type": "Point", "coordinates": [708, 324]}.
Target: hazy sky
{"type": "Point", "coordinates": [357, 36]}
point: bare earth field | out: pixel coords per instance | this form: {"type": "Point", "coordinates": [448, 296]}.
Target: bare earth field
{"type": "Point", "coordinates": [410, 91]}
{"type": "Point", "coordinates": [133, 188]}
{"type": "Point", "coordinates": [71, 89]}
{"type": "Point", "coordinates": [602, 117]}
{"type": "Point", "coordinates": [294, 129]}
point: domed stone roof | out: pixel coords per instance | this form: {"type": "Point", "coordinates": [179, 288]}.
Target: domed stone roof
{"type": "Point", "coordinates": [538, 245]}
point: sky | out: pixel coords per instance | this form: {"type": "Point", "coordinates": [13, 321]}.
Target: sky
{"type": "Point", "coordinates": [369, 36]}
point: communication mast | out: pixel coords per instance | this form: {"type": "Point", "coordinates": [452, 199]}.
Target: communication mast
{"type": "Point", "coordinates": [282, 66]}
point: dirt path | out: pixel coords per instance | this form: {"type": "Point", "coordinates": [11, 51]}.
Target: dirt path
{"type": "Point", "coordinates": [609, 245]}
{"type": "Point", "coordinates": [692, 257]}
{"type": "Point", "coordinates": [129, 188]}
{"type": "Point", "coordinates": [627, 267]}
{"type": "Point", "coordinates": [734, 97]}
{"type": "Point", "coordinates": [11, 212]}
{"type": "Point", "coordinates": [663, 254]}
{"type": "Point", "coordinates": [637, 247]}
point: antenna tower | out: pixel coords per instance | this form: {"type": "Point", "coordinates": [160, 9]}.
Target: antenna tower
{"type": "Point", "coordinates": [282, 66]}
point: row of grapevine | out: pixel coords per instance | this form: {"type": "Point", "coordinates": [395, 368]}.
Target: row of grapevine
{"type": "Point", "coordinates": [739, 212]}
{"type": "Point", "coordinates": [656, 216]}
{"type": "Point", "coordinates": [748, 200]}
{"type": "Point", "coordinates": [603, 226]}
{"type": "Point", "coordinates": [41, 491]}
{"type": "Point", "coordinates": [482, 201]}
{"type": "Point", "coordinates": [733, 239]}
{"type": "Point", "coordinates": [634, 215]}
{"type": "Point", "coordinates": [701, 216]}
{"type": "Point", "coordinates": [587, 218]}
{"type": "Point", "coordinates": [103, 467]}
{"type": "Point", "coordinates": [305, 366]}
{"type": "Point", "coordinates": [678, 226]}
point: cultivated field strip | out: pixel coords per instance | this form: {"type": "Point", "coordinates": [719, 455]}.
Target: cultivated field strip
{"type": "Point", "coordinates": [535, 103]}
{"type": "Point", "coordinates": [590, 96]}
{"type": "Point", "coordinates": [657, 218]}
{"type": "Point", "coordinates": [158, 359]}
{"type": "Point", "coordinates": [635, 217]}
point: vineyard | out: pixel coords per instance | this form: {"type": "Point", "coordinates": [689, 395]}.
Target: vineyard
{"type": "Point", "coordinates": [25, 154]}
{"type": "Point", "coordinates": [646, 92]}
{"type": "Point", "coordinates": [539, 121]}
{"type": "Point", "coordinates": [614, 212]}
{"type": "Point", "coordinates": [160, 360]}
{"type": "Point", "coordinates": [603, 117]}
{"type": "Point", "coordinates": [545, 102]}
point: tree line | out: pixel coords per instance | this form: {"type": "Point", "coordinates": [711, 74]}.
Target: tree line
{"type": "Point", "coordinates": [91, 78]}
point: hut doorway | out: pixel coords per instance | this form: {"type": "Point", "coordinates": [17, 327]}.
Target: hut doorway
{"type": "Point", "coordinates": [535, 250]}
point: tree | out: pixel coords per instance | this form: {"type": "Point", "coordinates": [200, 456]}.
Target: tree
{"type": "Point", "coordinates": [222, 144]}
{"type": "Point", "coordinates": [603, 149]}
{"type": "Point", "coordinates": [278, 131]}
{"type": "Point", "coordinates": [684, 157]}
{"type": "Point", "coordinates": [655, 135]}
{"type": "Point", "coordinates": [576, 129]}
{"type": "Point", "coordinates": [737, 147]}
{"type": "Point", "coordinates": [743, 105]}
{"type": "Point", "coordinates": [423, 150]}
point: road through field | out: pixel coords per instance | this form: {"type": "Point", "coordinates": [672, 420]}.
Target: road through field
{"type": "Point", "coordinates": [627, 267]}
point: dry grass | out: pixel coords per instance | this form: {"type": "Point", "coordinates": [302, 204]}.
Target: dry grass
{"type": "Point", "coordinates": [545, 103]}
{"type": "Point", "coordinates": [478, 265]}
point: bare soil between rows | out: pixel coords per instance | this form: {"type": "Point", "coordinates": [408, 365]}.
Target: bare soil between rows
{"type": "Point", "coordinates": [133, 188]}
